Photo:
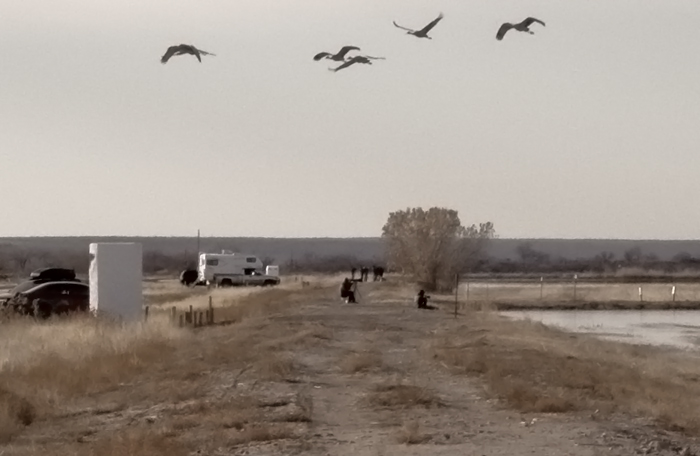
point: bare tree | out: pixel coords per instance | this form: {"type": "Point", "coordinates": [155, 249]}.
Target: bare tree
{"type": "Point", "coordinates": [432, 245]}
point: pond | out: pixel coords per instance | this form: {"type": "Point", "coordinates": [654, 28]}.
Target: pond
{"type": "Point", "coordinates": [678, 328]}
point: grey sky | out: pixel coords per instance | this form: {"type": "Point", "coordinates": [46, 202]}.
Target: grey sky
{"type": "Point", "coordinates": [589, 128]}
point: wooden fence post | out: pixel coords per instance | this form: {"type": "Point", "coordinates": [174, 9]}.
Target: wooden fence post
{"type": "Point", "coordinates": [456, 293]}
{"type": "Point", "coordinates": [145, 314]}
{"type": "Point", "coordinates": [173, 314]}
{"type": "Point", "coordinates": [182, 320]}
{"type": "Point", "coordinates": [673, 293]}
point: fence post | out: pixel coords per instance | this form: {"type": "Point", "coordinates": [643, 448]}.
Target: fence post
{"type": "Point", "coordinates": [145, 314]}
{"type": "Point", "coordinates": [641, 298]}
{"type": "Point", "coordinates": [487, 292]}
{"type": "Point", "coordinates": [182, 320]}
{"type": "Point", "coordinates": [541, 288]}
{"type": "Point", "coordinates": [173, 314]}
{"type": "Point", "coordinates": [190, 315]}
{"type": "Point", "coordinates": [467, 289]}
{"type": "Point", "coordinates": [673, 293]}
{"type": "Point", "coordinates": [211, 312]}
{"type": "Point", "coordinates": [456, 293]}
{"type": "Point", "coordinates": [575, 280]}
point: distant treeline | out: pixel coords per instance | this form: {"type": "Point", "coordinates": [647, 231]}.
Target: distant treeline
{"type": "Point", "coordinates": [20, 256]}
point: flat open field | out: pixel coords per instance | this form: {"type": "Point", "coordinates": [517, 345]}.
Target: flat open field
{"type": "Point", "coordinates": [295, 370]}
{"type": "Point", "coordinates": [504, 295]}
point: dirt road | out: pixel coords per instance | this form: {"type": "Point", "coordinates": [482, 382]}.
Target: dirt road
{"type": "Point", "coordinates": [459, 421]}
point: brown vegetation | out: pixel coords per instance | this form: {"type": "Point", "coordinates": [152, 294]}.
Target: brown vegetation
{"type": "Point", "coordinates": [363, 360]}
{"type": "Point", "coordinates": [533, 368]}
{"type": "Point", "coordinates": [410, 434]}
{"type": "Point", "coordinates": [402, 395]}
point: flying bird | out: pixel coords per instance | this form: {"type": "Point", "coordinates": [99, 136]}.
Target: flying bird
{"type": "Point", "coordinates": [521, 27]}
{"type": "Point", "coordinates": [339, 57]}
{"type": "Point", "coordinates": [183, 49]}
{"type": "Point", "coordinates": [365, 59]}
{"type": "Point", "coordinates": [423, 33]}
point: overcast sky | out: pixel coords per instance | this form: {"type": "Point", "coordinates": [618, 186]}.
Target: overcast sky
{"type": "Point", "coordinates": [589, 128]}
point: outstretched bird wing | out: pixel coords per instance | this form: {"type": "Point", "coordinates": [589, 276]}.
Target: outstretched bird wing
{"type": "Point", "coordinates": [502, 31]}
{"type": "Point", "coordinates": [428, 27]}
{"type": "Point", "coordinates": [205, 52]}
{"type": "Point", "coordinates": [169, 53]}
{"type": "Point", "coordinates": [374, 58]}
{"type": "Point", "coordinates": [530, 20]}
{"type": "Point", "coordinates": [321, 55]}
{"type": "Point", "coordinates": [345, 49]}
{"type": "Point", "coordinates": [345, 65]}
{"type": "Point", "coordinates": [404, 28]}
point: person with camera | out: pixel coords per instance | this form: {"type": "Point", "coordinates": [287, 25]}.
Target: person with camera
{"type": "Point", "coordinates": [422, 301]}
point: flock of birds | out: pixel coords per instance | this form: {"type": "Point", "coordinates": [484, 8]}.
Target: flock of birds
{"type": "Point", "coordinates": [341, 56]}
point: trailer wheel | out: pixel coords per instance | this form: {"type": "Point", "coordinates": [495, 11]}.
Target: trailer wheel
{"type": "Point", "coordinates": [226, 283]}
{"type": "Point", "coordinates": [268, 283]}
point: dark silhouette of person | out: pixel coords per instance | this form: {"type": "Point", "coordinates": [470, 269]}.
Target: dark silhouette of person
{"type": "Point", "coordinates": [422, 301]}
{"type": "Point", "coordinates": [352, 273]}
{"type": "Point", "coordinates": [378, 272]}
{"type": "Point", "coordinates": [364, 274]}
{"type": "Point", "coordinates": [346, 290]}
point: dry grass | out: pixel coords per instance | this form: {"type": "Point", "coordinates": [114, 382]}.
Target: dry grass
{"type": "Point", "coordinates": [361, 361]}
{"type": "Point", "coordinates": [537, 369]}
{"type": "Point", "coordinates": [263, 433]}
{"type": "Point", "coordinates": [51, 371]}
{"type": "Point", "coordinates": [400, 395]}
{"type": "Point", "coordinates": [524, 294]}
{"type": "Point", "coordinates": [410, 434]}
{"type": "Point", "coordinates": [136, 442]}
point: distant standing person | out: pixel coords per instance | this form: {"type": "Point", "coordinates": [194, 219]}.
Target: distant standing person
{"type": "Point", "coordinates": [352, 273]}
{"type": "Point", "coordinates": [378, 272]}
{"type": "Point", "coordinates": [364, 274]}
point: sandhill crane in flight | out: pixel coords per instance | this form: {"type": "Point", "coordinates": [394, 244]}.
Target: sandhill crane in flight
{"type": "Point", "coordinates": [339, 57]}
{"type": "Point", "coordinates": [367, 60]}
{"type": "Point", "coordinates": [521, 27]}
{"type": "Point", "coordinates": [183, 49]}
{"type": "Point", "coordinates": [422, 33]}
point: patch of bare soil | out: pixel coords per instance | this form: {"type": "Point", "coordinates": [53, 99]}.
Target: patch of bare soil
{"type": "Point", "coordinates": [324, 377]}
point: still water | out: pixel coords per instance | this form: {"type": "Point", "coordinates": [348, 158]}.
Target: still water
{"type": "Point", "coordinates": [678, 328]}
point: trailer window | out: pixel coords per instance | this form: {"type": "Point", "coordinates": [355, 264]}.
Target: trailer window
{"type": "Point", "coordinates": [251, 260]}
{"type": "Point", "coordinates": [212, 262]}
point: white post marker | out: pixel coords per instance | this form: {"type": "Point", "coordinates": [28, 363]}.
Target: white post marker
{"type": "Point", "coordinates": [641, 298]}
{"type": "Point", "coordinates": [116, 280]}
{"type": "Point", "coordinates": [673, 293]}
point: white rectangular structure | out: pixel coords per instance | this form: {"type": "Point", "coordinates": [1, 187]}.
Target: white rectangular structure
{"type": "Point", "coordinates": [116, 280]}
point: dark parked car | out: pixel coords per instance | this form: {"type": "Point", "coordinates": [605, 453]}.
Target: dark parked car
{"type": "Point", "coordinates": [51, 298]}
{"type": "Point", "coordinates": [40, 276]}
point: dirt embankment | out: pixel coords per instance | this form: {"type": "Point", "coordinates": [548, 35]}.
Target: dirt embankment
{"type": "Point", "coordinates": [300, 372]}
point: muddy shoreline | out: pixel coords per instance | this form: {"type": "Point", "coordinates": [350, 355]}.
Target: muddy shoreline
{"type": "Point", "coordinates": [587, 305]}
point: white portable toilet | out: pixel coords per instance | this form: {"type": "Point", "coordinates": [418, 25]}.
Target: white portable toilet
{"type": "Point", "coordinates": [273, 271]}
{"type": "Point", "coordinates": [116, 280]}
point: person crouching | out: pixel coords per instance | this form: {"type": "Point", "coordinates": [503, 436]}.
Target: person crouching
{"type": "Point", "coordinates": [422, 301]}
{"type": "Point", "coordinates": [346, 291]}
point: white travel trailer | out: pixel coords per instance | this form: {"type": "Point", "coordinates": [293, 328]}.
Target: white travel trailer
{"type": "Point", "coordinates": [227, 269]}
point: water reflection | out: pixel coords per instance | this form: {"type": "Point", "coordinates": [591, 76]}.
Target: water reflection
{"type": "Point", "coordinates": [678, 328]}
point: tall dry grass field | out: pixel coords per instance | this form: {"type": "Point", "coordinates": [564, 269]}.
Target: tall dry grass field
{"type": "Point", "coordinates": [534, 368]}
{"type": "Point", "coordinates": [52, 371]}
{"type": "Point", "coordinates": [592, 292]}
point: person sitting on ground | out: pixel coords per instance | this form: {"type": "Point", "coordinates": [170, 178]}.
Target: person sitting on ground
{"type": "Point", "coordinates": [422, 301]}
{"type": "Point", "coordinates": [346, 291]}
